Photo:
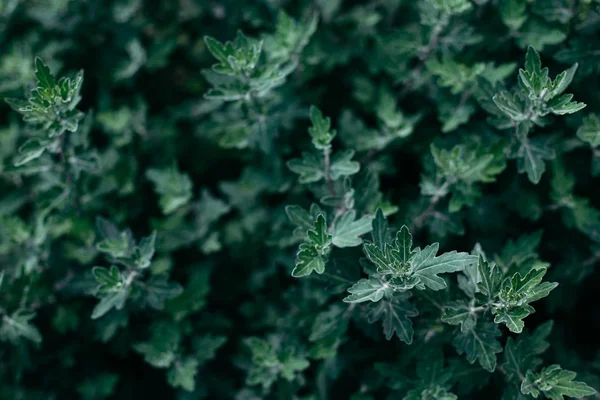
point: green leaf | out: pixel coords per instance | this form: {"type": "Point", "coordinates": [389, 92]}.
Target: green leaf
{"type": "Point", "coordinates": [555, 383]}
{"type": "Point", "coordinates": [15, 229]}
{"type": "Point", "coordinates": [404, 255]}
{"type": "Point", "coordinates": [347, 230]}
{"type": "Point", "coordinates": [219, 51]}
{"type": "Point", "coordinates": [31, 150]}
{"type": "Point", "coordinates": [531, 158]}
{"type": "Point", "coordinates": [183, 374]}
{"type": "Point", "coordinates": [299, 217]}
{"type": "Point", "coordinates": [116, 247]}
{"type": "Point", "coordinates": [115, 299]}
{"type": "Point", "coordinates": [513, 317]}
{"type": "Point", "coordinates": [206, 347]}
{"type": "Point", "coordinates": [460, 313]}
{"type": "Point", "coordinates": [480, 343]}
{"type": "Point", "coordinates": [563, 105]}
{"type": "Point", "coordinates": [44, 76]}
{"type": "Point", "coordinates": [490, 279]}
{"type": "Point", "coordinates": [161, 349]}
{"type": "Point", "coordinates": [513, 13]}
{"type": "Point", "coordinates": [313, 254]}
{"type": "Point", "coordinates": [368, 290]}
{"type": "Point", "coordinates": [522, 354]}
{"type": "Point", "coordinates": [308, 260]}
{"type": "Point", "coordinates": [515, 295]}
{"type": "Point", "coordinates": [451, 7]}
{"type": "Point", "coordinates": [144, 251]}
{"type": "Point", "coordinates": [395, 315]}
{"type": "Point", "coordinates": [563, 80]}
{"type": "Point", "coordinates": [342, 164]}
{"type": "Point", "coordinates": [115, 242]}
{"type": "Point", "coordinates": [320, 131]}
{"type": "Point", "coordinates": [319, 236]}
{"type": "Point", "coordinates": [109, 279]}
{"type": "Point", "coordinates": [18, 325]}
{"type": "Point", "coordinates": [379, 232]}
{"type": "Point", "coordinates": [269, 362]}
{"type": "Point", "coordinates": [526, 288]}
{"type": "Point", "coordinates": [426, 266]}
{"type": "Point", "coordinates": [174, 188]}
{"type": "Point", "coordinates": [515, 252]}
{"type": "Point", "coordinates": [310, 168]}
{"type": "Point", "coordinates": [193, 297]}
{"type": "Point", "coordinates": [329, 323]}
{"type": "Point", "coordinates": [533, 63]}
{"type": "Point", "coordinates": [381, 258]}
{"type": "Point", "coordinates": [511, 105]}
{"type": "Point", "coordinates": [538, 34]}
{"type": "Point", "coordinates": [589, 131]}
{"type": "Point", "coordinates": [158, 290]}
{"type": "Point", "coordinates": [291, 364]}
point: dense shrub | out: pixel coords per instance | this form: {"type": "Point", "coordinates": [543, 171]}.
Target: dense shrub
{"type": "Point", "coordinates": [308, 199]}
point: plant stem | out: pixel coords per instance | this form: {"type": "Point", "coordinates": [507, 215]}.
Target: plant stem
{"type": "Point", "coordinates": [327, 168]}
{"type": "Point", "coordinates": [441, 193]}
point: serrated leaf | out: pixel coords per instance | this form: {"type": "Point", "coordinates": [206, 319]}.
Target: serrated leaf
{"type": "Point", "coordinates": [379, 233]}
{"type": "Point", "coordinates": [291, 364]}
{"type": "Point", "coordinates": [109, 279]}
{"type": "Point", "coordinates": [347, 230]}
{"type": "Point", "coordinates": [18, 325]}
{"type": "Point", "coordinates": [342, 164]}
{"type": "Point", "coordinates": [426, 266]}
{"type": "Point", "coordinates": [320, 131]}
{"type": "Point", "coordinates": [44, 77]}
{"type": "Point", "coordinates": [460, 314]}
{"type": "Point", "coordinates": [480, 343]}
{"type": "Point", "coordinates": [563, 105]}
{"type": "Point", "coordinates": [308, 260]}
{"type": "Point", "coordinates": [319, 235]}
{"type": "Point", "coordinates": [159, 290]}
{"type": "Point", "coordinates": [513, 13]}
{"type": "Point", "coordinates": [563, 80]}
{"type": "Point", "coordinates": [183, 374]}
{"type": "Point", "coordinates": [329, 323]}
{"type": "Point", "coordinates": [490, 277]}
{"type": "Point", "coordinates": [517, 251]}
{"type": "Point", "coordinates": [380, 258]}
{"type": "Point", "coordinates": [513, 317]}
{"type": "Point", "coordinates": [160, 350]}
{"type": "Point", "coordinates": [219, 51]}
{"type": "Point", "coordinates": [511, 105]}
{"type": "Point", "coordinates": [516, 294]}
{"type": "Point", "coordinates": [309, 167]}
{"type": "Point", "coordinates": [555, 383]}
{"type": "Point", "coordinates": [395, 315]}
{"type": "Point", "coordinates": [528, 288]}
{"type": "Point", "coordinates": [313, 253]}
{"type": "Point", "coordinates": [173, 187]}
{"type": "Point", "coordinates": [589, 131]}
{"type": "Point", "coordinates": [531, 159]}
{"type": "Point", "coordinates": [368, 290]}
{"type": "Point", "coordinates": [116, 247]}
{"type": "Point", "coordinates": [403, 243]}
{"type": "Point", "coordinates": [533, 63]}
{"type": "Point", "coordinates": [110, 300]}
{"type": "Point", "coordinates": [29, 151]}
{"type": "Point", "coordinates": [521, 354]}
{"type": "Point", "coordinates": [299, 217]}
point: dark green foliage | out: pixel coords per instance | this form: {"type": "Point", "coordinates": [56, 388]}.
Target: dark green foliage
{"type": "Point", "coordinates": [308, 199]}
